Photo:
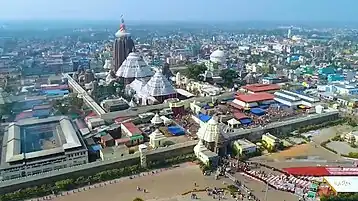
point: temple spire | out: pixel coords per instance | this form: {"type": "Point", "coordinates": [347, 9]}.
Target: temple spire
{"type": "Point", "coordinates": [122, 29]}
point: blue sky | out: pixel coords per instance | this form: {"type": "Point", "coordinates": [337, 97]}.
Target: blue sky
{"type": "Point", "coordinates": [183, 10]}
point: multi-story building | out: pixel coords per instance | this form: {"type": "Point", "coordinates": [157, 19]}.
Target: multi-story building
{"type": "Point", "coordinates": [33, 146]}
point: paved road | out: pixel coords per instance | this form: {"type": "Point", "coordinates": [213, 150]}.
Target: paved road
{"type": "Point", "coordinates": [178, 68]}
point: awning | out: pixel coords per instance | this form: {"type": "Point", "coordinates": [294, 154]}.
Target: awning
{"type": "Point", "coordinates": [136, 137]}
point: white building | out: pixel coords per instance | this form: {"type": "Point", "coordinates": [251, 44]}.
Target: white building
{"type": "Point", "coordinates": [156, 139]}
{"type": "Point", "coordinates": [49, 144]}
{"type": "Point", "coordinates": [108, 65]}
{"type": "Point", "coordinates": [204, 154]}
{"type": "Point", "coordinates": [293, 99]}
{"type": "Point", "coordinates": [340, 89]}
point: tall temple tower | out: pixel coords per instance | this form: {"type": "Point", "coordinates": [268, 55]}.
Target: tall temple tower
{"type": "Point", "coordinates": [123, 45]}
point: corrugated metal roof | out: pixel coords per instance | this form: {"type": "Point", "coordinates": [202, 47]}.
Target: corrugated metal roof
{"type": "Point", "coordinates": [248, 98]}
{"type": "Point", "coordinates": [261, 87]}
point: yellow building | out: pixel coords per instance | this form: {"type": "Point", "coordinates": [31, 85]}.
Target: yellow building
{"type": "Point", "coordinates": [244, 146]}
{"type": "Point", "coordinates": [270, 141]}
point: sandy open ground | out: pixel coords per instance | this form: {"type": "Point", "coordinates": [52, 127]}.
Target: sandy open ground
{"type": "Point", "coordinates": [166, 184]}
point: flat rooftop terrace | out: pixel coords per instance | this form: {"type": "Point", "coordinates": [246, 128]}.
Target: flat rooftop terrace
{"type": "Point", "coordinates": [32, 138]}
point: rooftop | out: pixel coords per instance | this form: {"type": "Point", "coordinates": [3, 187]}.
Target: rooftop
{"type": "Point", "coordinates": [132, 128]}
{"type": "Point", "coordinates": [245, 143]}
{"type": "Point", "coordinates": [261, 87]}
{"type": "Point", "coordinates": [256, 97]}
{"type": "Point", "coordinates": [32, 138]}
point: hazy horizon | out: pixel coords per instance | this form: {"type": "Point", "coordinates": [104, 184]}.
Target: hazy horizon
{"type": "Point", "coordinates": [181, 11]}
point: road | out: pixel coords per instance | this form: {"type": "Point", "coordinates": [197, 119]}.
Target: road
{"type": "Point", "coordinates": [174, 69]}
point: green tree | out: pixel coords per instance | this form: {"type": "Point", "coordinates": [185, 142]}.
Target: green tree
{"type": "Point", "coordinates": [265, 69]}
{"type": "Point", "coordinates": [76, 102]}
{"type": "Point", "coordinates": [215, 66]}
{"type": "Point", "coordinates": [138, 199]}
{"type": "Point", "coordinates": [64, 184]}
{"type": "Point", "coordinates": [194, 70]}
{"type": "Point", "coordinates": [228, 76]}
{"type": "Point", "coordinates": [6, 109]}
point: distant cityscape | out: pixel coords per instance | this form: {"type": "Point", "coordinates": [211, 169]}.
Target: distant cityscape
{"type": "Point", "coordinates": [264, 110]}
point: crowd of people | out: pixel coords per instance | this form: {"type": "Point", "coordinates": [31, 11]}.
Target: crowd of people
{"type": "Point", "coordinates": [281, 181]}
{"type": "Point", "coordinates": [272, 114]}
{"type": "Point", "coordinates": [273, 177]}
{"type": "Point", "coordinates": [188, 124]}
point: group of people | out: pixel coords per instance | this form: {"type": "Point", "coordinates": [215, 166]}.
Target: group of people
{"type": "Point", "coordinates": [187, 123]}
{"type": "Point", "coordinates": [275, 178]}
{"type": "Point", "coordinates": [231, 165]}
{"type": "Point", "coordinates": [216, 193]}
{"type": "Point", "coordinates": [272, 114]}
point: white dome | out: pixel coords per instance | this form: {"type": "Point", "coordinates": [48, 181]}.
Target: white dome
{"type": "Point", "coordinates": [121, 33]}
{"type": "Point", "coordinates": [134, 67]}
{"type": "Point", "coordinates": [218, 56]}
{"type": "Point", "coordinates": [156, 119]}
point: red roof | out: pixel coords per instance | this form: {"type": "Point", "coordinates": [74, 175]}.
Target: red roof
{"type": "Point", "coordinates": [90, 115]}
{"type": "Point", "coordinates": [132, 128]}
{"type": "Point", "coordinates": [261, 87]}
{"type": "Point", "coordinates": [23, 115]}
{"type": "Point", "coordinates": [322, 171]}
{"type": "Point", "coordinates": [236, 106]}
{"type": "Point", "coordinates": [80, 124]}
{"type": "Point", "coordinates": [239, 115]}
{"type": "Point", "coordinates": [122, 140]}
{"type": "Point", "coordinates": [256, 97]}
{"type": "Point", "coordinates": [307, 171]}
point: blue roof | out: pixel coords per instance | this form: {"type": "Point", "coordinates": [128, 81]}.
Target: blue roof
{"type": "Point", "coordinates": [264, 106]}
{"type": "Point", "coordinates": [257, 111]}
{"type": "Point", "coordinates": [245, 121]}
{"type": "Point", "coordinates": [95, 148]}
{"type": "Point", "coordinates": [176, 130]}
{"type": "Point", "coordinates": [204, 117]}
{"type": "Point", "coordinates": [55, 92]}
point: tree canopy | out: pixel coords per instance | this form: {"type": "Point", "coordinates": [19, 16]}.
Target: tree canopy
{"type": "Point", "coordinates": [138, 199]}
{"type": "Point", "coordinates": [194, 70]}
{"type": "Point", "coordinates": [228, 76]}
{"type": "Point", "coordinates": [342, 197]}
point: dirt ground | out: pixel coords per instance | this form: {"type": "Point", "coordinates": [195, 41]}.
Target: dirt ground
{"type": "Point", "coordinates": [166, 184]}
{"type": "Point", "coordinates": [303, 151]}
